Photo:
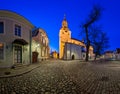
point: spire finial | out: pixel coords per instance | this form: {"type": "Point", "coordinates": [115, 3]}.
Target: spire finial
{"type": "Point", "coordinates": [64, 22]}
{"type": "Point", "coordinates": [64, 16]}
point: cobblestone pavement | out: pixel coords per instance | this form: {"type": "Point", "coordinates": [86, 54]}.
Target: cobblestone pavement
{"type": "Point", "coordinates": [65, 77]}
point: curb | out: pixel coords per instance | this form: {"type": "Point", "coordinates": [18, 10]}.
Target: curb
{"type": "Point", "coordinates": [19, 74]}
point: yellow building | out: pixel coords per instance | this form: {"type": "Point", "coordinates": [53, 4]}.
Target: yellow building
{"type": "Point", "coordinates": [54, 55]}
{"type": "Point", "coordinates": [65, 39]}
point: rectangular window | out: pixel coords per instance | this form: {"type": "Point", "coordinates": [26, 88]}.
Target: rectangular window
{"type": "Point", "coordinates": [1, 27]}
{"type": "Point", "coordinates": [18, 30]}
{"type": "Point", "coordinates": [1, 51]}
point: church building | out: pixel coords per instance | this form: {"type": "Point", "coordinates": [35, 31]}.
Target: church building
{"type": "Point", "coordinates": [70, 48]}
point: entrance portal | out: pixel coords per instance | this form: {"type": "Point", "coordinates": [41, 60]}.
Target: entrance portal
{"type": "Point", "coordinates": [17, 54]}
{"type": "Point", "coordinates": [34, 57]}
{"type": "Point", "coordinates": [73, 57]}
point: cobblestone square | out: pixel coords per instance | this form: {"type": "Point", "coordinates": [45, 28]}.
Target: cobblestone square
{"type": "Point", "coordinates": [66, 77]}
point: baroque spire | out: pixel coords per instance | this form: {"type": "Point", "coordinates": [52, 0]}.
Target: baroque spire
{"type": "Point", "coordinates": [64, 22]}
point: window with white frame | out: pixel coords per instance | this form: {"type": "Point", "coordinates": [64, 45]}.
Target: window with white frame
{"type": "Point", "coordinates": [18, 30]}
{"type": "Point", "coordinates": [1, 27]}
{"type": "Point", "coordinates": [1, 51]}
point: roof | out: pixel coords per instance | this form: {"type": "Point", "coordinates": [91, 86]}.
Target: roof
{"type": "Point", "coordinates": [73, 44]}
{"type": "Point", "coordinates": [35, 33]}
{"type": "Point", "coordinates": [20, 41]}
{"type": "Point", "coordinates": [77, 40]}
{"type": "Point", "coordinates": [14, 15]}
{"type": "Point", "coordinates": [37, 30]}
{"type": "Point", "coordinates": [118, 50]}
{"type": "Point", "coordinates": [108, 51]}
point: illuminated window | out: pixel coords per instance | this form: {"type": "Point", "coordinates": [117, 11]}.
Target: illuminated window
{"type": "Point", "coordinates": [1, 27]}
{"type": "Point", "coordinates": [1, 51]}
{"type": "Point", "coordinates": [18, 30]}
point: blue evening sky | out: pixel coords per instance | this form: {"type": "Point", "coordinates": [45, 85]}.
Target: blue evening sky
{"type": "Point", "coordinates": [48, 14]}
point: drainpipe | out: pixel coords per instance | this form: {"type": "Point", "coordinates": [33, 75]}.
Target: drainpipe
{"type": "Point", "coordinates": [30, 47]}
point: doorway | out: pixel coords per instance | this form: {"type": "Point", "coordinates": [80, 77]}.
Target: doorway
{"type": "Point", "coordinates": [73, 57]}
{"type": "Point", "coordinates": [17, 54]}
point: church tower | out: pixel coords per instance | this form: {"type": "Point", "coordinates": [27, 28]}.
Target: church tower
{"type": "Point", "coordinates": [64, 36]}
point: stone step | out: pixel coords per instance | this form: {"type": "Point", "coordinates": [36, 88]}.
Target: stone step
{"type": "Point", "coordinates": [19, 66]}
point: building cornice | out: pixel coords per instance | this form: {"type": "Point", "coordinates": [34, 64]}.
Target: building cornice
{"type": "Point", "coordinates": [13, 15]}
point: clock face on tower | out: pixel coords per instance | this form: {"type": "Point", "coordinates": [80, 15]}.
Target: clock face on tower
{"type": "Point", "coordinates": [65, 35]}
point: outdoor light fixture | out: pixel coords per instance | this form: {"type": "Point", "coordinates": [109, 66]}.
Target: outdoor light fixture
{"type": "Point", "coordinates": [38, 45]}
{"type": "Point", "coordinates": [8, 46]}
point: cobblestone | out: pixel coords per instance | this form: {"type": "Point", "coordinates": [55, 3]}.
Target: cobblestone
{"type": "Point", "coordinates": [65, 77]}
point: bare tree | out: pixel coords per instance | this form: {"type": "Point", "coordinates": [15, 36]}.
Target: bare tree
{"type": "Point", "coordinates": [92, 18]}
{"type": "Point", "coordinates": [99, 40]}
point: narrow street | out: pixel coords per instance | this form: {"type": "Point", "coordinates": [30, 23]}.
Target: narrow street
{"type": "Point", "coordinates": [65, 77]}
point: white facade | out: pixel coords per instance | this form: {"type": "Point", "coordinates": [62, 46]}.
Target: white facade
{"type": "Point", "coordinates": [14, 39]}
{"type": "Point", "coordinates": [73, 51]}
